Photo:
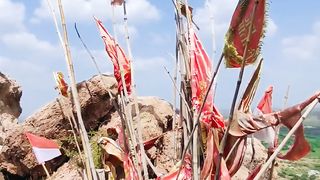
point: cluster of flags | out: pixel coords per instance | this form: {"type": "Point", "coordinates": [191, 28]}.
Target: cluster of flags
{"type": "Point", "coordinates": [242, 47]}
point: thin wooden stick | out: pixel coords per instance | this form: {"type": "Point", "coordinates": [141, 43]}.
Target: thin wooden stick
{"type": "Point", "coordinates": [125, 102]}
{"type": "Point", "coordinates": [45, 169]}
{"type": "Point", "coordinates": [87, 150]}
{"type": "Point", "coordinates": [245, 53]}
{"type": "Point", "coordinates": [139, 125]}
{"type": "Point", "coordinates": [214, 50]}
{"type": "Point", "coordinates": [284, 141]}
{"type": "Point", "coordinates": [201, 109]}
{"type": "Point", "coordinates": [277, 130]}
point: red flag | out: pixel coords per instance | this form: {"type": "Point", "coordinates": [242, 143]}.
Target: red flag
{"type": "Point", "coordinates": [43, 148]}
{"type": "Point", "coordinates": [117, 56]}
{"type": "Point", "coordinates": [117, 2]}
{"type": "Point", "coordinates": [238, 32]}
{"type": "Point", "coordinates": [201, 70]}
{"type": "Point", "coordinates": [265, 104]}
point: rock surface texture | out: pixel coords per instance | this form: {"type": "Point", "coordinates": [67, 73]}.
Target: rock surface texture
{"type": "Point", "coordinates": [10, 94]}
{"type": "Point", "coordinates": [51, 121]}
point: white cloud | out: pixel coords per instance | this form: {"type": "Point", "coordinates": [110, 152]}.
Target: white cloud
{"type": "Point", "coordinates": [271, 27]}
{"type": "Point", "coordinates": [303, 47]}
{"type": "Point", "coordinates": [139, 11]}
{"type": "Point", "coordinates": [11, 16]}
{"type": "Point", "coordinates": [149, 64]}
{"type": "Point", "coordinates": [26, 42]}
{"type": "Point", "coordinates": [220, 11]}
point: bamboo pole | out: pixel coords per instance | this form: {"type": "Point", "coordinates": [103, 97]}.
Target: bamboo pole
{"type": "Point", "coordinates": [139, 125]}
{"type": "Point", "coordinates": [277, 130]}
{"type": "Point", "coordinates": [214, 49]}
{"type": "Point", "coordinates": [125, 102]}
{"type": "Point", "coordinates": [201, 109]}
{"type": "Point", "coordinates": [52, 11]}
{"type": "Point", "coordinates": [245, 53]}
{"type": "Point", "coordinates": [87, 150]}
{"type": "Point", "coordinates": [284, 141]}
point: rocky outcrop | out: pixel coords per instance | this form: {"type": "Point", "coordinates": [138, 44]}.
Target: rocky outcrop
{"type": "Point", "coordinates": [10, 94]}
{"type": "Point", "coordinates": [51, 122]}
{"type": "Point", "coordinates": [156, 119]}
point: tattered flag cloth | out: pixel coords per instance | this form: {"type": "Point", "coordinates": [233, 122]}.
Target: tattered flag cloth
{"type": "Point", "coordinates": [130, 170]}
{"type": "Point", "coordinates": [201, 70]}
{"type": "Point", "coordinates": [44, 149]}
{"type": "Point", "coordinates": [238, 33]}
{"type": "Point", "coordinates": [265, 104]}
{"type": "Point", "coordinates": [117, 2]}
{"type": "Point", "coordinates": [251, 89]}
{"type": "Point", "coordinates": [61, 84]}
{"type": "Point", "coordinates": [211, 160]}
{"type": "Point", "coordinates": [117, 56]}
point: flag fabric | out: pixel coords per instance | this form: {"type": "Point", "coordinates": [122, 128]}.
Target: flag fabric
{"type": "Point", "coordinates": [265, 104]}
{"type": "Point", "coordinates": [129, 169]}
{"type": "Point", "coordinates": [43, 148]}
{"type": "Point", "coordinates": [211, 160]}
{"type": "Point", "coordinates": [118, 58]}
{"type": "Point", "coordinates": [237, 34]}
{"type": "Point", "coordinates": [201, 72]}
{"type": "Point", "coordinates": [61, 84]}
{"type": "Point", "coordinates": [251, 89]}
{"type": "Point", "coordinates": [117, 2]}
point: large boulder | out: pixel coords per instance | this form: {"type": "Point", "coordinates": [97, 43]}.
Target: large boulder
{"type": "Point", "coordinates": [51, 122]}
{"type": "Point", "coordinates": [156, 119]}
{"type": "Point", "coordinates": [10, 110]}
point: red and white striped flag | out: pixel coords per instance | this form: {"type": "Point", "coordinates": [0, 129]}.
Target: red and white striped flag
{"type": "Point", "coordinates": [43, 148]}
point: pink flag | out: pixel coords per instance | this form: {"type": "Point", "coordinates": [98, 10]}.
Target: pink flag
{"type": "Point", "coordinates": [44, 149]}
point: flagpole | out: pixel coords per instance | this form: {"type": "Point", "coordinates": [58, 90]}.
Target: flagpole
{"type": "Point", "coordinates": [290, 133]}
{"type": "Point", "coordinates": [245, 53]}
{"type": "Point", "coordinates": [277, 130]}
{"type": "Point", "coordinates": [45, 169]}
{"type": "Point", "coordinates": [214, 50]}
{"type": "Point", "coordinates": [139, 125]}
{"type": "Point", "coordinates": [201, 109]}
{"type": "Point", "coordinates": [73, 124]}
{"type": "Point", "coordinates": [66, 57]}
{"type": "Point", "coordinates": [87, 150]}
{"type": "Point", "coordinates": [126, 104]}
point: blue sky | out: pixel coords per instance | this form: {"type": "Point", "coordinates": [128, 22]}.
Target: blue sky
{"type": "Point", "coordinates": [30, 50]}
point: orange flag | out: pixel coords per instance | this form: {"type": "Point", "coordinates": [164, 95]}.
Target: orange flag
{"type": "Point", "coordinates": [238, 32]}
{"type": "Point", "coordinates": [117, 57]}
{"type": "Point", "coordinates": [201, 70]}
{"type": "Point", "coordinates": [61, 84]}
